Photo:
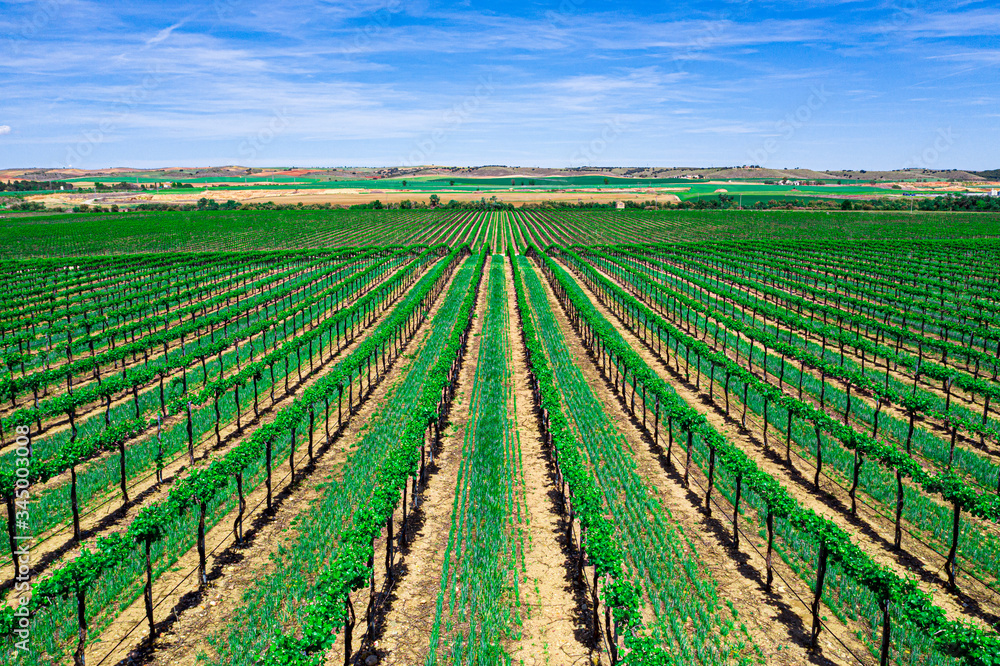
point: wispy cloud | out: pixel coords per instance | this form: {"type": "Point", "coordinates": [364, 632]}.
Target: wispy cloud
{"type": "Point", "coordinates": [980, 56]}
{"type": "Point", "coordinates": [163, 35]}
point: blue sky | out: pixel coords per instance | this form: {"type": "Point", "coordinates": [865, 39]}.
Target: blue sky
{"type": "Point", "coordinates": [820, 84]}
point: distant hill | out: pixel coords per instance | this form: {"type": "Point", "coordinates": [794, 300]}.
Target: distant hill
{"type": "Point", "coordinates": [323, 174]}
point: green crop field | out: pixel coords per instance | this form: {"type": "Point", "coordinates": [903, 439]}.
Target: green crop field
{"type": "Point", "coordinates": [501, 437]}
{"type": "Point", "coordinates": [109, 233]}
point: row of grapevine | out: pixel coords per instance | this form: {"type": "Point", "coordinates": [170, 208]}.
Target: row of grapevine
{"type": "Point", "coordinates": [165, 529]}
{"type": "Point", "coordinates": [479, 580]}
{"type": "Point", "coordinates": [978, 544]}
{"type": "Point", "coordinates": [374, 484]}
{"type": "Point", "coordinates": [640, 560]}
{"type": "Point", "coordinates": [199, 391]}
{"type": "Point", "coordinates": [922, 624]}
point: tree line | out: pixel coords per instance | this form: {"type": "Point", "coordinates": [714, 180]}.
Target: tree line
{"type": "Point", "coordinates": [34, 185]}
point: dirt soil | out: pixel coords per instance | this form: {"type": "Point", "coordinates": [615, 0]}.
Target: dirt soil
{"type": "Point", "coordinates": [409, 603]}
{"type": "Point", "coordinates": [555, 628]}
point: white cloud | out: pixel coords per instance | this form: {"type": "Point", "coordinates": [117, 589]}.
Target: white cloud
{"type": "Point", "coordinates": [4, 129]}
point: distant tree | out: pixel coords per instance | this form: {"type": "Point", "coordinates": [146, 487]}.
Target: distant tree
{"type": "Point", "coordinates": [435, 201]}
{"type": "Point", "coordinates": [404, 183]}
{"type": "Point", "coordinates": [451, 183]}
{"type": "Point", "coordinates": [29, 185]}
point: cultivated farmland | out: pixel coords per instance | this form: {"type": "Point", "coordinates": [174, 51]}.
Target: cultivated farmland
{"type": "Point", "coordinates": [486, 437]}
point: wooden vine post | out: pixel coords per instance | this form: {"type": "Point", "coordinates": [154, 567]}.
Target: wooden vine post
{"type": "Point", "coordinates": [202, 560]}
{"type": "Point", "coordinates": [711, 480]}
{"type": "Point", "coordinates": [147, 593]}
{"type": "Point", "coordinates": [348, 628]}
{"type": "Point", "coordinates": [886, 634]}
{"type": "Point", "coordinates": [949, 564]}
{"type": "Point", "coordinates": [190, 434]}
{"type": "Point", "coordinates": [159, 449]}
{"type": "Point", "coordinates": [897, 539]}
{"type": "Point", "coordinates": [291, 460]}
{"type": "Point", "coordinates": [859, 459]}
{"type": "Point", "coordinates": [238, 523]}
{"type": "Point", "coordinates": [736, 511]}
{"type": "Point", "coordinates": [656, 423]}
{"type": "Point", "coordinates": [817, 599]}
{"type": "Point", "coordinates": [770, 549]}
{"type": "Point", "coordinates": [819, 457]}
{"type": "Point", "coordinates": [79, 656]}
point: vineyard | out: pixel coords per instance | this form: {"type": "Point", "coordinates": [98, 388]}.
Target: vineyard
{"type": "Point", "coordinates": [501, 437]}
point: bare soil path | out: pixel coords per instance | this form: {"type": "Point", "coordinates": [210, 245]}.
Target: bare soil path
{"type": "Point", "coordinates": [408, 602]}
